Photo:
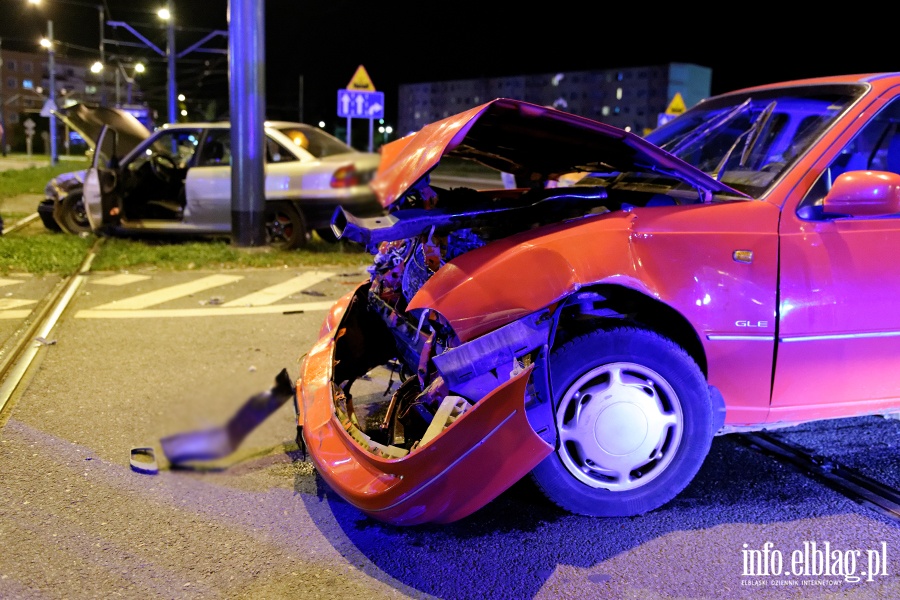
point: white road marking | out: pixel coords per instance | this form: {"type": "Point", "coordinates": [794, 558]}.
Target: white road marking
{"type": "Point", "coordinates": [120, 279]}
{"type": "Point", "coordinates": [216, 311]}
{"type": "Point", "coordinates": [4, 281]}
{"type": "Point", "coordinates": [174, 292]}
{"type": "Point", "coordinates": [8, 306]}
{"type": "Point", "coordinates": [274, 293]}
{"type": "Point", "coordinates": [7, 303]}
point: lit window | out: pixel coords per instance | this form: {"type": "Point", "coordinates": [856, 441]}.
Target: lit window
{"type": "Point", "coordinates": [604, 111]}
{"type": "Point", "coordinates": [27, 84]}
{"type": "Point", "coordinates": [618, 93]}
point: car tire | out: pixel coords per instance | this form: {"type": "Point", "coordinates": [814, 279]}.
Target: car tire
{"type": "Point", "coordinates": [634, 422]}
{"type": "Point", "coordinates": [285, 226]}
{"type": "Point", "coordinates": [327, 235]}
{"type": "Point", "coordinates": [71, 214]}
{"type": "Point", "coordinates": [45, 212]}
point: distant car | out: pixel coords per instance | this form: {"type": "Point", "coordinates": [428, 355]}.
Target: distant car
{"type": "Point", "coordinates": [731, 271]}
{"type": "Point", "coordinates": [177, 180]}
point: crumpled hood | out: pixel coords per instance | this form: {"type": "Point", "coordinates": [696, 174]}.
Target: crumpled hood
{"type": "Point", "coordinates": [526, 139]}
{"type": "Point", "coordinates": [88, 121]}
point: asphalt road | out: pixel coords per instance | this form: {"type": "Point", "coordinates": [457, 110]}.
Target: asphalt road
{"type": "Point", "coordinates": [143, 355]}
{"type": "Point", "coordinates": [123, 371]}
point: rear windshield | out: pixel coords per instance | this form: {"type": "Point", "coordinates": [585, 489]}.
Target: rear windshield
{"type": "Point", "coordinates": [317, 142]}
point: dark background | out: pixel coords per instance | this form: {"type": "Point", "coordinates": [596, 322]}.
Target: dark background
{"type": "Point", "coordinates": [324, 41]}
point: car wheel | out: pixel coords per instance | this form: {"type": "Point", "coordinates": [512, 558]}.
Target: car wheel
{"type": "Point", "coordinates": [327, 235]}
{"type": "Point", "coordinates": [45, 212]}
{"type": "Point", "coordinates": [285, 226]}
{"type": "Point", "coordinates": [634, 422]}
{"type": "Point", "coordinates": [71, 215]}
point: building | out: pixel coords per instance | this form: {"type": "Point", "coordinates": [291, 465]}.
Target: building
{"type": "Point", "coordinates": [24, 90]}
{"type": "Point", "coordinates": [630, 98]}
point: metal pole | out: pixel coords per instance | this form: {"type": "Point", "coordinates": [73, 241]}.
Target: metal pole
{"type": "Point", "coordinates": [247, 86]}
{"type": "Point", "coordinates": [2, 115]}
{"type": "Point", "coordinates": [102, 58]}
{"type": "Point", "coordinates": [54, 157]}
{"type": "Point", "coordinates": [170, 54]}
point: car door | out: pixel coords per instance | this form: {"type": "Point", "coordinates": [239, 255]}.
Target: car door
{"type": "Point", "coordinates": [207, 184]}
{"type": "Point", "coordinates": [839, 325]}
{"type": "Point", "coordinates": [101, 193]}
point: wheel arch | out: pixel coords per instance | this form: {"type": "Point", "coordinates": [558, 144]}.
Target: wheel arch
{"type": "Point", "coordinates": [605, 305]}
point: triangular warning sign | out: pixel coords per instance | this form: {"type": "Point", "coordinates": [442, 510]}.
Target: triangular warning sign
{"type": "Point", "coordinates": [361, 80]}
{"type": "Point", "coordinates": [676, 106]}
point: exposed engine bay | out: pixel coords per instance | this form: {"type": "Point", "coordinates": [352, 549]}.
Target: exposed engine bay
{"type": "Point", "coordinates": [438, 378]}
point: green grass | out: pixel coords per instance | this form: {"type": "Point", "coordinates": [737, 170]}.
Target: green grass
{"type": "Point", "coordinates": [117, 254]}
{"type": "Point", "coordinates": [42, 254]}
{"type": "Point", "coordinates": [35, 250]}
{"type": "Point", "coordinates": [15, 182]}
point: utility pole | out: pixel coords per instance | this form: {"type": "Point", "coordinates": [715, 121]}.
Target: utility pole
{"type": "Point", "coordinates": [170, 54]}
{"type": "Point", "coordinates": [54, 157]}
{"type": "Point", "coordinates": [2, 114]}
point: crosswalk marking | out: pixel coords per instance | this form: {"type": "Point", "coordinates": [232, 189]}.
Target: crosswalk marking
{"type": "Point", "coordinates": [216, 311]}
{"type": "Point", "coordinates": [274, 293]}
{"type": "Point", "coordinates": [120, 279]}
{"type": "Point", "coordinates": [9, 306]}
{"type": "Point", "coordinates": [4, 281]}
{"type": "Point", "coordinates": [174, 292]}
{"type": "Point", "coordinates": [7, 303]}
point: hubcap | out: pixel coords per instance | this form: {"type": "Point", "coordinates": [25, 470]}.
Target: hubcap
{"type": "Point", "coordinates": [620, 425]}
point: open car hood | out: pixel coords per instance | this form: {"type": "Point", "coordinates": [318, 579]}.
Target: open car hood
{"type": "Point", "coordinates": [89, 120]}
{"type": "Point", "coordinates": [530, 141]}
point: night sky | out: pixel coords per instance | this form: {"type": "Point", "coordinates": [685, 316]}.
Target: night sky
{"type": "Point", "coordinates": [408, 42]}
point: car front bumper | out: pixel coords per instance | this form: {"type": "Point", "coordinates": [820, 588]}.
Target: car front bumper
{"type": "Point", "coordinates": [473, 460]}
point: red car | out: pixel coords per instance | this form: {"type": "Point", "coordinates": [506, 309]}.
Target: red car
{"type": "Point", "coordinates": [730, 271]}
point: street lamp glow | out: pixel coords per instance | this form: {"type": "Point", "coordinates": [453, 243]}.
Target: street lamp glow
{"type": "Point", "coordinates": [34, 1]}
{"type": "Point", "coordinates": [183, 112]}
{"type": "Point", "coordinates": [46, 43]}
{"type": "Point", "coordinates": [139, 68]}
{"type": "Point", "coordinates": [164, 14]}
{"type": "Point", "coordinates": [97, 67]}
{"type": "Point", "coordinates": [181, 98]}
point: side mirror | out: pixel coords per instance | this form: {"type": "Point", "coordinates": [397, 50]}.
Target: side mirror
{"type": "Point", "coordinates": [864, 194]}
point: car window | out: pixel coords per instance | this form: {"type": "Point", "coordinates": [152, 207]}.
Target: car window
{"type": "Point", "coordinates": [748, 140]}
{"type": "Point", "coordinates": [317, 142]}
{"type": "Point", "coordinates": [179, 144]}
{"type": "Point", "coordinates": [215, 149]}
{"type": "Point", "coordinates": [876, 147]}
{"type": "Point", "coordinates": [276, 153]}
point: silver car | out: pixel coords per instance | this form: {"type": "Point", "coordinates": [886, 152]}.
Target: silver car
{"type": "Point", "coordinates": [177, 180]}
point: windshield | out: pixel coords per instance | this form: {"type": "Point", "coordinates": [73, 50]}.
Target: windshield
{"type": "Point", "coordinates": [748, 140]}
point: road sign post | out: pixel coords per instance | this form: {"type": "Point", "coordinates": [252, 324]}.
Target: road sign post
{"type": "Point", "coordinates": [360, 101]}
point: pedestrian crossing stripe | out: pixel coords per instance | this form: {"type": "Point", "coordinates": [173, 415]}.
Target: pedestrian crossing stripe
{"type": "Point", "coordinates": [216, 311]}
{"type": "Point", "coordinates": [4, 281]}
{"type": "Point", "coordinates": [259, 302]}
{"type": "Point", "coordinates": [10, 308]}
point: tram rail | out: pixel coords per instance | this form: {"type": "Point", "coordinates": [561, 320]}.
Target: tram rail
{"type": "Point", "coordinates": [851, 483]}
{"type": "Point", "coordinates": [19, 351]}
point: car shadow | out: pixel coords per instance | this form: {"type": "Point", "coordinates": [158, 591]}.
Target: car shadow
{"type": "Point", "coordinates": [520, 545]}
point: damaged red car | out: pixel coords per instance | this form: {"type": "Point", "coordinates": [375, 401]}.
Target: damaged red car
{"type": "Point", "coordinates": [730, 271]}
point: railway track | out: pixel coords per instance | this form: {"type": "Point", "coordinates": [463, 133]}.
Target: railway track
{"type": "Point", "coordinates": [18, 352]}
{"type": "Point", "coordinates": [849, 482]}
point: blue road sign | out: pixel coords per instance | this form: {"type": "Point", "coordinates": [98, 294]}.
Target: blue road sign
{"type": "Point", "coordinates": [357, 104]}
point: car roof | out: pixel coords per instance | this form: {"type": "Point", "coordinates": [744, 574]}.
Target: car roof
{"type": "Point", "coordinates": [220, 124]}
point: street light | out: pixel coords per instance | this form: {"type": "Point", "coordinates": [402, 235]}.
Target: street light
{"type": "Point", "coordinates": [51, 103]}
{"type": "Point", "coordinates": [167, 13]}
{"type": "Point", "coordinates": [47, 43]}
